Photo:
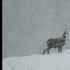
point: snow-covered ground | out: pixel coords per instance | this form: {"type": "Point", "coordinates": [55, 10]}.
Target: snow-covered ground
{"type": "Point", "coordinates": [53, 61]}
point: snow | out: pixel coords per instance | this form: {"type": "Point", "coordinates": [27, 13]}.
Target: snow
{"type": "Point", "coordinates": [28, 24]}
{"type": "Point", "coordinates": [53, 61]}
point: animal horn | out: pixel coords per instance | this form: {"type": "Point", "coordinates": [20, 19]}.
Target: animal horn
{"type": "Point", "coordinates": [65, 29]}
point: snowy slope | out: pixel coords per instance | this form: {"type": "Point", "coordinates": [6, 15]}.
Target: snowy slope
{"type": "Point", "coordinates": [52, 61]}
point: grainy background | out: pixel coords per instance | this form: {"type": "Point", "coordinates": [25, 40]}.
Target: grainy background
{"type": "Point", "coordinates": [28, 24]}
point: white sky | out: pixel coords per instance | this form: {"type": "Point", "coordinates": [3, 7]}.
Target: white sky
{"type": "Point", "coordinates": [28, 24]}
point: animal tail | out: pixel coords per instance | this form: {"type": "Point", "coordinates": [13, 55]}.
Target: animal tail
{"type": "Point", "coordinates": [46, 41]}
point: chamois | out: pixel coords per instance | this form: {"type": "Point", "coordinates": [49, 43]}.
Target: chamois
{"type": "Point", "coordinates": [56, 43]}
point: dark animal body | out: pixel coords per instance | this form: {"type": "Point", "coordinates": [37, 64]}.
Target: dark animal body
{"type": "Point", "coordinates": [56, 43]}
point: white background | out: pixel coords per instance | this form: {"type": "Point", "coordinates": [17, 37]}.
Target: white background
{"type": "Point", "coordinates": [28, 24]}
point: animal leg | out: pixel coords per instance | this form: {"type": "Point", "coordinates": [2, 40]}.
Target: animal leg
{"type": "Point", "coordinates": [59, 50]}
{"type": "Point", "coordinates": [45, 51]}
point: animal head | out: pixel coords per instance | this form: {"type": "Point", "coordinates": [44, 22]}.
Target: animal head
{"type": "Point", "coordinates": [65, 33]}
